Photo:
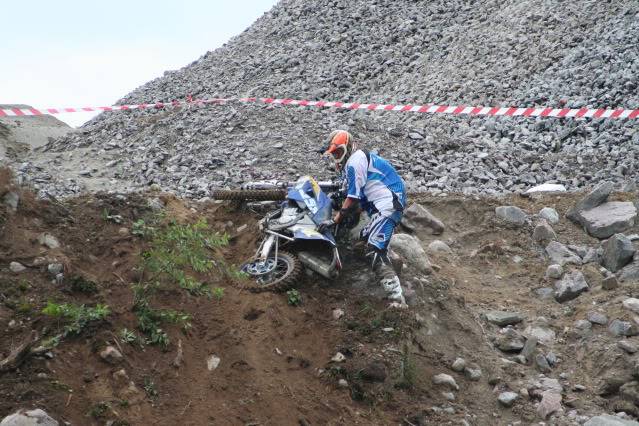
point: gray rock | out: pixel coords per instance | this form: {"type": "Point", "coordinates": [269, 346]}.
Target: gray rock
{"type": "Point", "coordinates": [417, 218]}
{"type": "Point", "coordinates": [16, 267]}
{"type": "Point", "coordinates": [529, 348]}
{"type": "Point", "coordinates": [502, 318]}
{"type": "Point", "coordinates": [473, 372]}
{"type": "Point", "coordinates": [545, 293]}
{"type": "Point", "coordinates": [598, 196]}
{"type": "Point", "coordinates": [550, 215]}
{"type": "Point", "coordinates": [628, 346]}
{"type": "Point", "coordinates": [554, 271]}
{"type": "Point", "coordinates": [597, 318]}
{"type": "Point", "coordinates": [570, 286]}
{"type": "Point", "coordinates": [542, 363]}
{"type": "Point", "coordinates": [11, 200]}
{"type": "Point", "coordinates": [507, 399]}
{"type": "Point", "coordinates": [509, 340]}
{"type": "Point", "coordinates": [458, 365]}
{"type": "Point", "coordinates": [48, 240]}
{"type": "Point", "coordinates": [445, 380]}
{"type": "Point", "coordinates": [512, 215]}
{"type": "Point", "coordinates": [623, 328]}
{"type": "Point", "coordinates": [609, 218]}
{"type": "Point", "coordinates": [550, 404]}
{"type": "Point", "coordinates": [610, 283]}
{"type": "Point", "coordinates": [155, 204]}
{"type": "Point", "coordinates": [111, 355]}
{"type": "Point", "coordinates": [583, 325]}
{"type": "Point", "coordinates": [560, 254]}
{"type": "Point", "coordinates": [55, 269]}
{"type": "Point", "coordinates": [551, 358]}
{"type": "Point", "coordinates": [608, 420]}
{"type": "Point", "coordinates": [541, 331]}
{"type": "Point", "coordinates": [631, 304]}
{"type": "Point", "coordinates": [438, 246]}
{"type": "Point", "coordinates": [618, 252]}
{"type": "Point", "coordinates": [410, 249]}
{"type": "Point", "coordinates": [543, 233]}
{"type": "Point", "coordinates": [35, 417]}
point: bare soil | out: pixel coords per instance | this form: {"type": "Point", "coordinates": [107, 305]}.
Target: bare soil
{"type": "Point", "coordinates": [275, 366]}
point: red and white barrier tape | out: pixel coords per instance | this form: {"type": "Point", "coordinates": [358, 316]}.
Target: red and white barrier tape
{"type": "Point", "coordinates": [619, 113]}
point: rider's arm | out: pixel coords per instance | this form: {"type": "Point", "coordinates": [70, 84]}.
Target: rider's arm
{"type": "Point", "coordinates": [356, 173]}
{"type": "Point", "coordinates": [349, 204]}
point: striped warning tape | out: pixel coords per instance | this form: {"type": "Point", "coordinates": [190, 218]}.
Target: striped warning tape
{"type": "Point", "coordinates": [619, 113]}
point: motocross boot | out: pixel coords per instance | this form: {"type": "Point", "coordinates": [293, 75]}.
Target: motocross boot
{"type": "Point", "coordinates": [386, 276]}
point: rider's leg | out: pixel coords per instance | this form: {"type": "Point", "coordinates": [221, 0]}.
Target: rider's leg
{"type": "Point", "coordinates": [378, 233]}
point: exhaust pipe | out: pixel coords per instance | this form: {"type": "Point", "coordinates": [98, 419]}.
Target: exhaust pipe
{"type": "Point", "coordinates": [327, 270]}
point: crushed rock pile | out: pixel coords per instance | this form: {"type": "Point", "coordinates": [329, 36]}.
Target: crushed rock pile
{"type": "Point", "coordinates": [487, 52]}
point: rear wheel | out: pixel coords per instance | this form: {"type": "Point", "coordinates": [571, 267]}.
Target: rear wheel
{"type": "Point", "coordinates": [249, 194]}
{"type": "Point", "coordinates": [272, 274]}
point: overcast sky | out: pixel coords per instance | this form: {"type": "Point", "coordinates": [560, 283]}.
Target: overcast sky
{"type": "Point", "coordinates": [73, 53]}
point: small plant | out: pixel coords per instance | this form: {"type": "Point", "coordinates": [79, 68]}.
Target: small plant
{"type": "Point", "coordinates": [141, 229]}
{"type": "Point", "coordinates": [116, 218]}
{"type": "Point", "coordinates": [124, 403]}
{"type": "Point", "coordinates": [76, 316]}
{"type": "Point", "coordinates": [99, 410]}
{"type": "Point", "coordinates": [294, 297]}
{"type": "Point", "coordinates": [25, 307]}
{"type": "Point", "coordinates": [128, 336]}
{"type": "Point", "coordinates": [149, 387]}
{"type": "Point", "coordinates": [218, 293]}
{"type": "Point", "coordinates": [80, 284]}
{"type": "Point", "coordinates": [407, 370]}
{"type": "Point", "coordinates": [23, 285]}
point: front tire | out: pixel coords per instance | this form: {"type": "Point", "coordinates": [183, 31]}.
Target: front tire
{"type": "Point", "coordinates": [269, 275]}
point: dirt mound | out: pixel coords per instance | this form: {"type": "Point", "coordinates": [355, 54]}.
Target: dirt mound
{"type": "Point", "coordinates": [243, 359]}
{"type": "Point", "coordinates": [120, 338]}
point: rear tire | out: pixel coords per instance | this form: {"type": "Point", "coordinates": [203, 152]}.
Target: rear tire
{"type": "Point", "coordinates": [249, 194]}
{"type": "Point", "coordinates": [273, 277]}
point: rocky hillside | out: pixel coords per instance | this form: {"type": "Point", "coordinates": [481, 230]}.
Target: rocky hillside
{"type": "Point", "coordinates": [484, 52]}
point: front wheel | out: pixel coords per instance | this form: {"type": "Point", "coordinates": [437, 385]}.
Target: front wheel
{"type": "Point", "coordinates": [272, 274]}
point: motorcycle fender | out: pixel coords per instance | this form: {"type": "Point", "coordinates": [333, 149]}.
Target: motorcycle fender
{"type": "Point", "coordinates": [311, 234]}
{"type": "Point", "coordinates": [268, 245]}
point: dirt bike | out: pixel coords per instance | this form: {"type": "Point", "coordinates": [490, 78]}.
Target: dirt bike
{"type": "Point", "coordinates": [291, 239]}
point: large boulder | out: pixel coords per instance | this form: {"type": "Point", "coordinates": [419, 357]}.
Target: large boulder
{"type": "Point", "coordinates": [559, 254]}
{"type": "Point", "coordinates": [630, 272]}
{"type": "Point", "coordinates": [598, 196]}
{"type": "Point", "coordinates": [618, 252]}
{"type": "Point", "coordinates": [417, 218]}
{"type": "Point", "coordinates": [608, 420]}
{"type": "Point", "coordinates": [35, 417]}
{"type": "Point", "coordinates": [410, 249]}
{"type": "Point", "coordinates": [609, 218]}
{"type": "Point", "coordinates": [570, 286]}
{"type": "Point", "coordinates": [512, 215]}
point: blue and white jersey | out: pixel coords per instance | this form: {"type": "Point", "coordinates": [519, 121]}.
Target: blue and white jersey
{"type": "Point", "coordinates": [373, 182]}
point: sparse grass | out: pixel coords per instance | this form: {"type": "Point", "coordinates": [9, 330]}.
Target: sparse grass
{"type": "Point", "coordinates": [128, 336]}
{"type": "Point", "coordinates": [150, 388]}
{"type": "Point", "coordinates": [294, 297]}
{"type": "Point", "coordinates": [407, 370]}
{"type": "Point", "coordinates": [176, 251]}
{"type": "Point", "coordinates": [99, 410]}
{"type": "Point", "coordinates": [218, 293]}
{"type": "Point", "coordinates": [77, 317]}
{"type": "Point", "coordinates": [80, 284]}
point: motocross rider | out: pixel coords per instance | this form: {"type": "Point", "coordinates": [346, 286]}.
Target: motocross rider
{"type": "Point", "coordinates": [371, 184]}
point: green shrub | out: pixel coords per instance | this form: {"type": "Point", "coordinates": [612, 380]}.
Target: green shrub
{"type": "Point", "coordinates": [77, 317]}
